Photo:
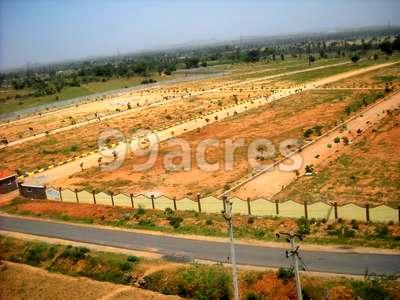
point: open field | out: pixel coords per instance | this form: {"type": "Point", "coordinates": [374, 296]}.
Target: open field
{"type": "Point", "coordinates": [366, 172]}
{"type": "Point", "coordinates": [276, 122]}
{"type": "Point", "coordinates": [11, 99]}
{"type": "Point", "coordinates": [208, 103]}
{"type": "Point", "coordinates": [288, 116]}
{"type": "Point", "coordinates": [111, 105]}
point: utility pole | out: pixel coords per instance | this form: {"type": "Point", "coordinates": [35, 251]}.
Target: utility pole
{"type": "Point", "coordinates": [293, 253]}
{"type": "Point", "coordinates": [227, 213]}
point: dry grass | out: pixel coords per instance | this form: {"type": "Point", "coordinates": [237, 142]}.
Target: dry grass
{"type": "Point", "coordinates": [19, 281]}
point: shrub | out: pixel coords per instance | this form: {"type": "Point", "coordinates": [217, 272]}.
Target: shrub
{"type": "Point", "coordinates": [125, 266]}
{"type": "Point", "coordinates": [309, 169]}
{"type": "Point", "coordinates": [35, 254]}
{"type": "Point", "coordinates": [354, 224]}
{"type": "Point", "coordinates": [169, 211]}
{"type": "Point", "coordinates": [132, 259]}
{"type": "Point", "coordinates": [253, 296]}
{"type": "Point", "coordinates": [381, 231]}
{"type": "Point", "coordinates": [205, 282]}
{"type": "Point", "coordinates": [308, 133]}
{"type": "Point", "coordinates": [175, 221]}
{"type": "Point", "coordinates": [146, 222]}
{"type": "Point", "coordinates": [371, 288]}
{"type": "Point", "coordinates": [259, 233]}
{"type": "Point", "coordinates": [348, 233]}
{"type": "Point", "coordinates": [285, 274]}
{"type": "Point", "coordinates": [140, 211]}
{"type": "Point", "coordinates": [74, 253]}
{"type": "Point", "coordinates": [304, 226]}
{"type": "Point", "coordinates": [209, 222]}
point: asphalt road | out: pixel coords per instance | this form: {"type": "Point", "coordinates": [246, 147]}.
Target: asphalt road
{"type": "Point", "coordinates": [319, 261]}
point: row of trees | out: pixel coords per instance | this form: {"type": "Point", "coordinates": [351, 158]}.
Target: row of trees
{"type": "Point", "coordinates": [52, 79]}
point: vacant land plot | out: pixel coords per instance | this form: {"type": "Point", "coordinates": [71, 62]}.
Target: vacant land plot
{"type": "Point", "coordinates": [286, 118]}
{"type": "Point", "coordinates": [367, 172]}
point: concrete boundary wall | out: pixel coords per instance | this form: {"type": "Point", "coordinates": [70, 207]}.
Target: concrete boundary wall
{"type": "Point", "coordinates": [211, 204]}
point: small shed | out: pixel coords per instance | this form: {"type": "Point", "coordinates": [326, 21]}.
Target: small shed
{"type": "Point", "coordinates": [32, 191]}
{"type": "Point", "coordinates": [8, 181]}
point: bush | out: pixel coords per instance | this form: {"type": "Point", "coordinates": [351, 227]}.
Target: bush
{"type": "Point", "coordinates": [381, 231]}
{"type": "Point", "coordinates": [169, 211]}
{"type": "Point", "coordinates": [140, 211]}
{"type": "Point", "coordinates": [74, 253]}
{"type": "Point", "coordinates": [125, 266]}
{"type": "Point", "coordinates": [285, 274]}
{"type": "Point", "coordinates": [35, 254]}
{"type": "Point", "coordinates": [132, 259]}
{"type": "Point", "coordinates": [354, 224]}
{"type": "Point", "coordinates": [259, 233]}
{"type": "Point", "coordinates": [175, 221]}
{"type": "Point", "coordinates": [209, 222]}
{"type": "Point", "coordinates": [304, 226]}
{"type": "Point", "coordinates": [205, 282]}
{"type": "Point", "coordinates": [371, 288]}
{"type": "Point", "coordinates": [146, 222]}
{"type": "Point", "coordinates": [348, 233]}
{"type": "Point", "coordinates": [309, 169]}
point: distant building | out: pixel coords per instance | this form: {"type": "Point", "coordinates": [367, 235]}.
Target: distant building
{"type": "Point", "coordinates": [8, 181]}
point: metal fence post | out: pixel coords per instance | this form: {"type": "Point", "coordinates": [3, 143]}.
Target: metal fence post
{"type": "Point", "coordinates": [399, 213]}
{"type": "Point", "coordinates": [335, 210]}
{"type": "Point", "coordinates": [94, 196]}
{"type": "Point", "coordinates": [76, 196]}
{"type": "Point", "coordinates": [248, 206]}
{"type": "Point", "coordinates": [112, 198]}
{"type": "Point", "coordinates": [367, 212]}
{"type": "Point", "coordinates": [174, 200]}
{"type": "Point", "coordinates": [60, 193]}
{"type": "Point", "coordinates": [277, 207]}
{"type": "Point", "coordinates": [305, 210]}
{"type": "Point", "coordinates": [152, 201]}
{"type": "Point", "coordinates": [132, 200]}
{"type": "Point", "coordinates": [198, 202]}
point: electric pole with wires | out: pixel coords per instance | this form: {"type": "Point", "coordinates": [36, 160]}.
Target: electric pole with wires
{"type": "Point", "coordinates": [293, 253]}
{"type": "Point", "coordinates": [227, 213]}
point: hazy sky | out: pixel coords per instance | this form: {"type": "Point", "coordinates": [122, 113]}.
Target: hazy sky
{"type": "Point", "coordinates": [46, 31]}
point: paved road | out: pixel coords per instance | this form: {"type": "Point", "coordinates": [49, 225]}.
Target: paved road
{"type": "Point", "coordinates": [344, 263]}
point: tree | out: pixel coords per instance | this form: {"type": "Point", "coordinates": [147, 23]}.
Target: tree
{"type": "Point", "coordinates": [386, 47]}
{"type": "Point", "coordinates": [355, 58]}
{"type": "Point", "coordinates": [282, 57]}
{"type": "Point", "coordinates": [253, 55]}
{"type": "Point", "coordinates": [311, 59]}
{"type": "Point", "coordinates": [192, 62]}
{"type": "Point", "coordinates": [396, 43]}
